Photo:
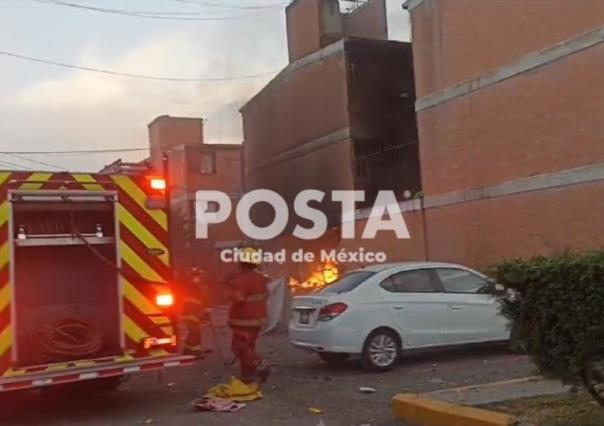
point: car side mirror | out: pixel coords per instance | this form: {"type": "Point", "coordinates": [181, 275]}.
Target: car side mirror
{"type": "Point", "coordinates": [493, 288]}
{"type": "Point", "coordinates": [500, 289]}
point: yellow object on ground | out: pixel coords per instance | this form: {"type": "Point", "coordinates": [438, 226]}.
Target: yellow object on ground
{"type": "Point", "coordinates": [427, 412]}
{"type": "Point", "coordinates": [236, 391]}
{"type": "Point", "coordinates": [315, 410]}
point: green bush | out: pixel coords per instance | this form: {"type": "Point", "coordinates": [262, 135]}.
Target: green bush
{"type": "Point", "coordinates": [558, 312]}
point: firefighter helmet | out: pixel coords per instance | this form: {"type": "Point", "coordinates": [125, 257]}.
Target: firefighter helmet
{"type": "Point", "coordinates": [250, 256]}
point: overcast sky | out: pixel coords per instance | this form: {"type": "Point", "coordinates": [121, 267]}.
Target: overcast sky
{"type": "Point", "coordinates": [50, 108]}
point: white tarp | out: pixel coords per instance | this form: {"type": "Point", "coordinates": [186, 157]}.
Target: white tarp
{"type": "Point", "coordinates": [277, 291]}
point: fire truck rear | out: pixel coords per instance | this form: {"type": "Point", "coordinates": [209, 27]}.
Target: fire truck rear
{"type": "Point", "coordinates": [85, 279]}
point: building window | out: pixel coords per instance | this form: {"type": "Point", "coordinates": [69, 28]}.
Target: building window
{"type": "Point", "coordinates": [207, 164]}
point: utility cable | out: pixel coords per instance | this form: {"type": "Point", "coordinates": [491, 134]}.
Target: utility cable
{"type": "Point", "coordinates": [143, 14]}
{"type": "Point", "coordinates": [41, 163]}
{"type": "Point", "coordinates": [81, 151]}
{"type": "Point", "coordinates": [13, 165]}
{"type": "Point", "coordinates": [231, 6]}
{"type": "Point", "coordinates": [132, 75]}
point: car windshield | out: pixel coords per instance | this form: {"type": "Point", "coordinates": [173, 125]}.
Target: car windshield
{"type": "Point", "coordinates": [348, 282]}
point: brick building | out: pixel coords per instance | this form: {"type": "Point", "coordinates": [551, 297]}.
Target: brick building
{"type": "Point", "coordinates": [340, 116]}
{"type": "Point", "coordinates": [194, 165]}
{"type": "Point", "coordinates": [509, 107]}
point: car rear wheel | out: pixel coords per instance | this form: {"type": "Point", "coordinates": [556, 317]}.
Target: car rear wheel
{"type": "Point", "coordinates": [381, 351]}
{"type": "Point", "coordinates": [333, 359]}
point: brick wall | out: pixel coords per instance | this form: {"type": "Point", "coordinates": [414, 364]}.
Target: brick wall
{"type": "Point", "coordinates": [540, 222]}
{"type": "Point", "coordinates": [369, 21]}
{"type": "Point", "coordinates": [542, 121]}
{"type": "Point", "coordinates": [167, 132]}
{"type": "Point", "coordinates": [303, 28]}
{"type": "Point", "coordinates": [538, 122]}
{"type": "Point", "coordinates": [413, 249]}
{"type": "Point", "coordinates": [455, 40]}
{"type": "Point", "coordinates": [305, 105]}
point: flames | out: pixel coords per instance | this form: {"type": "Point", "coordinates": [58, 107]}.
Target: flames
{"type": "Point", "coordinates": [320, 277]}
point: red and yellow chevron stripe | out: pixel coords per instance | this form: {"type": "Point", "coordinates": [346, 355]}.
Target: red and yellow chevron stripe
{"type": "Point", "coordinates": [140, 230]}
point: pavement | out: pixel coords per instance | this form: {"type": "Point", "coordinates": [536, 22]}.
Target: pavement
{"type": "Point", "coordinates": [490, 393]}
{"type": "Point", "coordinates": [301, 382]}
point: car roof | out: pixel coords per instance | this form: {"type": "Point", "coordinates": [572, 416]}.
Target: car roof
{"type": "Point", "coordinates": [410, 266]}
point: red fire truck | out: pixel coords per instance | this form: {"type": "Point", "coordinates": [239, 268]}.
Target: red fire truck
{"type": "Point", "coordinates": [85, 279]}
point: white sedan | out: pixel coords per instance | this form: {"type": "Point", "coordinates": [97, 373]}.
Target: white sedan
{"type": "Point", "coordinates": [379, 311]}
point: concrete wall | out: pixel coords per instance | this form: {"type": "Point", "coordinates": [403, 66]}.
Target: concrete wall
{"type": "Point", "coordinates": [455, 40]}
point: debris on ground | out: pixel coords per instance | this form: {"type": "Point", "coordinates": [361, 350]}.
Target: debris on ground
{"type": "Point", "coordinates": [315, 410]}
{"type": "Point", "coordinates": [217, 405]}
{"type": "Point", "coordinates": [228, 397]}
{"type": "Point", "coordinates": [236, 390]}
{"type": "Point", "coordinates": [367, 389]}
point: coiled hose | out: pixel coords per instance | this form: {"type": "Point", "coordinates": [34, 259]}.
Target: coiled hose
{"type": "Point", "coordinates": [70, 340]}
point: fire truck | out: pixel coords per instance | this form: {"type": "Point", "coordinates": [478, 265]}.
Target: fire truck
{"type": "Point", "coordinates": [85, 279]}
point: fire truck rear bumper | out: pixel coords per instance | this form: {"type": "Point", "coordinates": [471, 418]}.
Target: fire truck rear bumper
{"type": "Point", "coordinates": [50, 377]}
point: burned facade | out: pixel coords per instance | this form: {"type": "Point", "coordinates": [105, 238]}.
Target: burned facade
{"type": "Point", "coordinates": [341, 115]}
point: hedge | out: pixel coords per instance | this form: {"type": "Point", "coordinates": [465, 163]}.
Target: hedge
{"type": "Point", "coordinates": [558, 312]}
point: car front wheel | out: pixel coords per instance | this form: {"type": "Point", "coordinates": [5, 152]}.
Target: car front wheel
{"type": "Point", "coordinates": [382, 351]}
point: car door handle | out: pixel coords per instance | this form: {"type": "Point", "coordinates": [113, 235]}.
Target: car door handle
{"type": "Point", "coordinates": [455, 308]}
{"type": "Point", "coordinates": [399, 307]}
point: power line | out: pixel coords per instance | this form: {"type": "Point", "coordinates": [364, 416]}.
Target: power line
{"type": "Point", "coordinates": [13, 165]}
{"type": "Point", "coordinates": [41, 163]}
{"type": "Point", "coordinates": [142, 14]}
{"type": "Point", "coordinates": [229, 6]}
{"type": "Point", "coordinates": [83, 151]}
{"type": "Point", "coordinates": [132, 75]}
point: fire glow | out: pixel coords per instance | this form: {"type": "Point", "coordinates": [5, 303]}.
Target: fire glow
{"type": "Point", "coordinates": [321, 277]}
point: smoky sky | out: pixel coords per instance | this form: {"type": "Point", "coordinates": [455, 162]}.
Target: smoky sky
{"type": "Point", "coordinates": [46, 108]}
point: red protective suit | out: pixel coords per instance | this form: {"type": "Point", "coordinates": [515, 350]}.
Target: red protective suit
{"type": "Point", "coordinates": [247, 316]}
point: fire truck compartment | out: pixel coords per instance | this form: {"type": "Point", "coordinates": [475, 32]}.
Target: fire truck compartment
{"type": "Point", "coordinates": [65, 271]}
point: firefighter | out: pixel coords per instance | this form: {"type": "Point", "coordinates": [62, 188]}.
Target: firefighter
{"type": "Point", "coordinates": [248, 315]}
{"type": "Point", "coordinates": [194, 311]}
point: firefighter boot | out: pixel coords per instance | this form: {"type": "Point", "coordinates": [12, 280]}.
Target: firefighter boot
{"type": "Point", "coordinates": [264, 371]}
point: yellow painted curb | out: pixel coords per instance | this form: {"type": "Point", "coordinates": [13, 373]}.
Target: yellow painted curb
{"type": "Point", "coordinates": [422, 411]}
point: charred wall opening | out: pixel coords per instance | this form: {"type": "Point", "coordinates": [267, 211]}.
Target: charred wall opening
{"type": "Point", "coordinates": [382, 118]}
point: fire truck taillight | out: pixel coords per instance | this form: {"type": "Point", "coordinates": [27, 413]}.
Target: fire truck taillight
{"type": "Point", "coordinates": [158, 184]}
{"type": "Point", "coordinates": [164, 300]}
